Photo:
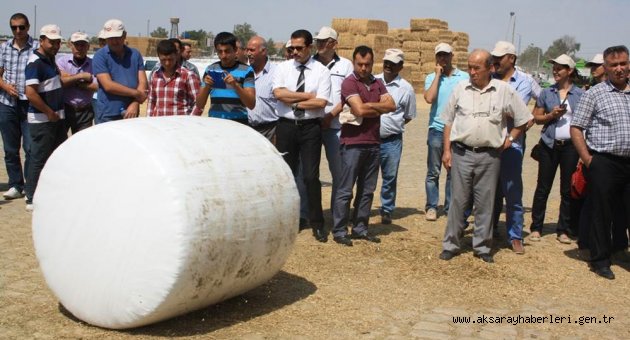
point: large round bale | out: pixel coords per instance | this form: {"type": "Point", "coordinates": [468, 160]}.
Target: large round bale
{"type": "Point", "coordinates": [140, 220]}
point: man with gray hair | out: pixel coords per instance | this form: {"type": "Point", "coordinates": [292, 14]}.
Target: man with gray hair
{"type": "Point", "coordinates": [263, 117]}
{"type": "Point", "coordinates": [475, 121]}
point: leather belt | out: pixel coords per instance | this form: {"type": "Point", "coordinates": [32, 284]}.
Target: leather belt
{"type": "Point", "coordinates": [476, 149]}
{"type": "Point", "coordinates": [300, 121]}
{"type": "Point", "coordinates": [561, 142]}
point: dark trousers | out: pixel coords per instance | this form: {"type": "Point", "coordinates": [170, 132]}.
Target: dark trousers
{"type": "Point", "coordinates": [302, 143]}
{"type": "Point", "coordinates": [14, 130]}
{"type": "Point", "coordinates": [359, 164]}
{"type": "Point", "coordinates": [620, 221]}
{"type": "Point", "coordinates": [566, 157]}
{"type": "Point", "coordinates": [45, 138]}
{"type": "Point", "coordinates": [78, 119]}
{"type": "Point", "coordinates": [608, 177]}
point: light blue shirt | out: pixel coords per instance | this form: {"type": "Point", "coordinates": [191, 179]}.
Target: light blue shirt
{"type": "Point", "coordinates": [445, 87]}
{"type": "Point", "coordinates": [265, 109]}
{"type": "Point", "coordinates": [393, 123]}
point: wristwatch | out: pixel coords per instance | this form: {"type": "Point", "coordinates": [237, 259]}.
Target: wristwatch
{"type": "Point", "coordinates": [294, 106]}
{"type": "Point", "coordinates": [510, 138]}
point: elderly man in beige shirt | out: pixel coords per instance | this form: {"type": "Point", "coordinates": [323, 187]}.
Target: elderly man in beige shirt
{"type": "Point", "coordinates": [475, 134]}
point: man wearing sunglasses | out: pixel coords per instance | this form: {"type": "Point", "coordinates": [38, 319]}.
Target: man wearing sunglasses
{"type": "Point", "coordinates": [14, 55]}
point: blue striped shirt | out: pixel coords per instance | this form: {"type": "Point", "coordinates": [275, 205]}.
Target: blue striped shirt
{"type": "Point", "coordinates": [43, 72]}
{"type": "Point", "coordinates": [224, 100]}
{"type": "Point", "coordinates": [13, 62]}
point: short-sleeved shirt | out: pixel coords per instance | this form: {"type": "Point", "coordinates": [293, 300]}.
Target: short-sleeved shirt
{"type": "Point", "coordinates": [604, 112]}
{"type": "Point", "coordinates": [265, 109]}
{"type": "Point", "coordinates": [479, 116]}
{"type": "Point", "coordinates": [74, 95]}
{"type": "Point", "coordinates": [393, 123]}
{"type": "Point", "coordinates": [369, 131]}
{"type": "Point", "coordinates": [339, 69]}
{"type": "Point", "coordinates": [13, 62]}
{"type": "Point", "coordinates": [123, 71]}
{"type": "Point", "coordinates": [445, 87]}
{"type": "Point", "coordinates": [316, 80]}
{"type": "Point", "coordinates": [172, 96]}
{"type": "Point", "coordinates": [225, 102]}
{"type": "Point", "coordinates": [43, 72]}
{"type": "Point", "coordinates": [548, 99]}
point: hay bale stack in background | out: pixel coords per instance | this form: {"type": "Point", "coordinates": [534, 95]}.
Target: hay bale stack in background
{"type": "Point", "coordinates": [417, 42]}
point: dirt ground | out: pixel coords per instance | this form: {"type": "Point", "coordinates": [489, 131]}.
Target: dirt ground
{"type": "Point", "coordinates": [397, 289]}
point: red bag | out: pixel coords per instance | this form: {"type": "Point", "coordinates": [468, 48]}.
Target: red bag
{"type": "Point", "coordinates": [578, 182]}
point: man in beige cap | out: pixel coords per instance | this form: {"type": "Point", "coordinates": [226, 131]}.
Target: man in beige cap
{"type": "Point", "coordinates": [78, 82]}
{"type": "Point", "coordinates": [326, 43]}
{"type": "Point", "coordinates": [46, 111]}
{"type": "Point", "coordinates": [121, 77]}
{"type": "Point", "coordinates": [437, 88]}
{"type": "Point", "coordinates": [598, 74]}
{"type": "Point", "coordinates": [392, 128]}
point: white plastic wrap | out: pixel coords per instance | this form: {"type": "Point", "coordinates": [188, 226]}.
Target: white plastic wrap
{"type": "Point", "coordinates": [141, 220]}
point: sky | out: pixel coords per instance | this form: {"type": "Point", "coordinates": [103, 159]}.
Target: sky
{"type": "Point", "coordinates": [595, 24]}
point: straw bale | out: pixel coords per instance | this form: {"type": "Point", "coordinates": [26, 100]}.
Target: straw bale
{"type": "Point", "coordinates": [427, 46]}
{"type": "Point", "coordinates": [411, 46]}
{"type": "Point", "coordinates": [412, 57]}
{"type": "Point", "coordinates": [418, 86]}
{"type": "Point", "coordinates": [429, 37]}
{"type": "Point", "coordinates": [345, 52]}
{"type": "Point", "coordinates": [378, 66]}
{"type": "Point", "coordinates": [346, 40]}
{"type": "Point", "coordinates": [360, 26]}
{"type": "Point", "coordinates": [378, 42]}
{"type": "Point", "coordinates": [417, 24]}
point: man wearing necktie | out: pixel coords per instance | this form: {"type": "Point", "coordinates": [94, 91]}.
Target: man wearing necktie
{"type": "Point", "coordinates": [302, 87]}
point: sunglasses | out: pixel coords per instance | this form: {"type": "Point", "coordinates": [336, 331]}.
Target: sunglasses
{"type": "Point", "coordinates": [15, 28]}
{"type": "Point", "coordinates": [296, 48]}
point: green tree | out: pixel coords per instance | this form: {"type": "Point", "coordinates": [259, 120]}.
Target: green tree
{"type": "Point", "coordinates": [160, 32]}
{"type": "Point", "coordinates": [271, 48]}
{"type": "Point", "coordinates": [565, 45]}
{"type": "Point", "coordinates": [201, 37]}
{"type": "Point", "coordinates": [531, 58]}
{"type": "Point", "coordinates": [244, 32]}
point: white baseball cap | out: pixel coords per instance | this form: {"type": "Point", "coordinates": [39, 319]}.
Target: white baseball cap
{"type": "Point", "coordinates": [288, 44]}
{"type": "Point", "coordinates": [563, 59]}
{"type": "Point", "coordinates": [443, 47]}
{"type": "Point", "coordinates": [52, 32]}
{"type": "Point", "coordinates": [598, 59]}
{"type": "Point", "coordinates": [502, 48]}
{"type": "Point", "coordinates": [113, 28]}
{"type": "Point", "coordinates": [326, 33]}
{"type": "Point", "coordinates": [394, 55]}
{"type": "Point", "coordinates": [79, 36]}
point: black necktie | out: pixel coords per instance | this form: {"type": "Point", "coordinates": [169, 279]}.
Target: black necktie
{"type": "Point", "coordinates": [299, 113]}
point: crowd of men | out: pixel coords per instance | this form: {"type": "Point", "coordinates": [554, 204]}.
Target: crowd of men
{"type": "Point", "coordinates": [477, 123]}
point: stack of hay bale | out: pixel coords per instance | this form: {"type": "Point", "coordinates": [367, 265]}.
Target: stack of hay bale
{"type": "Point", "coordinates": [417, 42]}
{"type": "Point", "coordinates": [145, 45]}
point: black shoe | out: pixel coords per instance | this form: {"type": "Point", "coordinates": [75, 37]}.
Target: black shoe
{"type": "Point", "coordinates": [303, 224]}
{"type": "Point", "coordinates": [446, 255]}
{"type": "Point", "coordinates": [604, 272]}
{"type": "Point", "coordinates": [345, 240]}
{"type": "Point", "coordinates": [320, 235]}
{"type": "Point", "coordinates": [366, 237]}
{"type": "Point", "coordinates": [487, 258]}
{"type": "Point", "coordinates": [386, 218]}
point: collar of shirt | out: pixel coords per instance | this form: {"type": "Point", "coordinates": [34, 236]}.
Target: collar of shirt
{"type": "Point", "coordinates": [177, 73]}
{"type": "Point", "coordinates": [456, 73]}
{"type": "Point", "coordinates": [44, 58]}
{"type": "Point", "coordinates": [395, 81]}
{"type": "Point", "coordinates": [308, 64]}
{"type": "Point", "coordinates": [332, 63]}
{"type": "Point", "coordinates": [554, 88]}
{"type": "Point", "coordinates": [612, 88]}
{"type": "Point", "coordinates": [29, 43]}
{"type": "Point", "coordinates": [491, 85]}
{"type": "Point", "coordinates": [126, 49]}
{"type": "Point", "coordinates": [372, 78]}
{"type": "Point", "coordinates": [85, 62]}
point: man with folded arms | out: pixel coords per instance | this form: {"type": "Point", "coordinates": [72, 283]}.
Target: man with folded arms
{"type": "Point", "coordinates": [360, 147]}
{"type": "Point", "coordinates": [78, 83]}
{"type": "Point", "coordinates": [475, 134]}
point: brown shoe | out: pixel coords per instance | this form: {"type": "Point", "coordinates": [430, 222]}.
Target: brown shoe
{"type": "Point", "coordinates": [517, 247]}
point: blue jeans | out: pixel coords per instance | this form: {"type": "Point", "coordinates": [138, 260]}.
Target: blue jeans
{"type": "Point", "coordinates": [15, 133]}
{"type": "Point", "coordinates": [511, 187]}
{"type": "Point", "coordinates": [330, 138]}
{"type": "Point", "coordinates": [391, 150]}
{"type": "Point", "coordinates": [435, 143]}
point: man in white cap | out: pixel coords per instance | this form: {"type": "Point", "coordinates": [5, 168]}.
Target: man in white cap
{"type": "Point", "coordinates": [14, 54]}
{"type": "Point", "coordinates": [78, 82]}
{"type": "Point", "coordinates": [326, 43]}
{"type": "Point", "coordinates": [392, 128]}
{"type": "Point", "coordinates": [121, 78]}
{"type": "Point", "coordinates": [598, 74]}
{"type": "Point", "coordinates": [510, 183]}
{"type": "Point", "coordinates": [45, 112]}
{"type": "Point", "coordinates": [437, 88]}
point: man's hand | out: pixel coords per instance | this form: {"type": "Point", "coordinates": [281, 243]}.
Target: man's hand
{"type": "Point", "coordinates": [506, 144]}
{"type": "Point", "coordinates": [229, 79]}
{"type": "Point", "coordinates": [327, 120]}
{"type": "Point", "coordinates": [133, 110]}
{"type": "Point", "coordinates": [588, 161]}
{"type": "Point", "coordinates": [208, 81]}
{"type": "Point", "coordinates": [52, 116]}
{"type": "Point", "coordinates": [438, 70]}
{"type": "Point", "coordinates": [140, 96]}
{"type": "Point", "coordinates": [446, 159]}
{"type": "Point", "coordinates": [10, 89]}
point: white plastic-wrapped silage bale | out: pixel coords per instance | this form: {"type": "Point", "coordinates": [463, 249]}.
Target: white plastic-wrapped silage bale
{"type": "Point", "coordinates": [141, 220]}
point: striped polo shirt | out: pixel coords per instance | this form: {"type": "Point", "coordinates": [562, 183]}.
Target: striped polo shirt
{"type": "Point", "coordinates": [225, 102]}
{"type": "Point", "coordinates": [43, 72]}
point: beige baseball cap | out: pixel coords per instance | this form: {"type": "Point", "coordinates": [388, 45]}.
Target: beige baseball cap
{"type": "Point", "coordinates": [394, 55]}
{"type": "Point", "coordinates": [79, 36]}
{"type": "Point", "coordinates": [113, 28]}
{"type": "Point", "coordinates": [563, 59]}
{"type": "Point", "coordinates": [502, 48]}
{"type": "Point", "coordinates": [52, 32]}
{"type": "Point", "coordinates": [443, 47]}
{"type": "Point", "coordinates": [326, 33]}
{"type": "Point", "coordinates": [598, 59]}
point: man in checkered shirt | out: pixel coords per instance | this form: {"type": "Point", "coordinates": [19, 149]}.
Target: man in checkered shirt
{"type": "Point", "coordinates": [173, 88]}
{"type": "Point", "coordinates": [604, 114]}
